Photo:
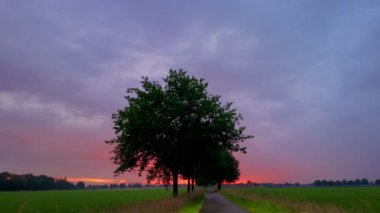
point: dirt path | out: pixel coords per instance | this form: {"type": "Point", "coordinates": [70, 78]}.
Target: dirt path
{"type": "Point", "coordinates": [216, 203]}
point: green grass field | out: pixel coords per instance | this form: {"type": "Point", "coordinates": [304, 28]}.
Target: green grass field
{"type": "Point", "coordinates": [80, 200]}
{"type": "Point", "coordinates": [313, 199]}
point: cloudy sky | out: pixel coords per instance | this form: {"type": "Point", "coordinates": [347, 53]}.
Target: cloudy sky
{"type": "Point", "coordinates": [304, 75]}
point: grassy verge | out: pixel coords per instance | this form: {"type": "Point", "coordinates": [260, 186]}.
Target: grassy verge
{"type": "Point", "coordinates": [252, 204]}
{"type": "Point", "coordinates": [195, 204]}
{"type": "Point", "coordinates": [185, 203]}
{"type": "Point", "coordinates": [311, 199]}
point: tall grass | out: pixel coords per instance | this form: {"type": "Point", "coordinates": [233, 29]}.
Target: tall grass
{"type": "Point", "coordinates": [253, 203]}
{"type": "Point", "coordinates": [313, 199]}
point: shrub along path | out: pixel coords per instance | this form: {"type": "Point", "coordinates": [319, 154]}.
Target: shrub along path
{"type": "Point", "coordinates": [215, 202]}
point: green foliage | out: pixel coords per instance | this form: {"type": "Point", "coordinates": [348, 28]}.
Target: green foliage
{"type": "Point", "coordinates": [220, 166]}
{"type": "Point", "coordinates": [170, 130]}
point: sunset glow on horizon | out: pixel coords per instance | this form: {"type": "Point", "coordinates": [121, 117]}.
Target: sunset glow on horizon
{"type": "Point", "coordinates": [304, 76]}
{"type": "Point", "coordinates": [96, 180]}
{"type": "Point", "coordinates": [100, 181]}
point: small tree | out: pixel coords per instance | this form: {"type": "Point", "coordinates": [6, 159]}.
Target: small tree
{"type": "Point", "coordinates": [220, 166]}
{"type": "Point", "coordinates": [364, 181]}
{"type": "Point", "coordinates": [81, 185]}
{"type": "Point", "coordinates": [357, 182]}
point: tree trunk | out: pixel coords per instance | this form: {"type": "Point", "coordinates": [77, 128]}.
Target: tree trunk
{"type": "Point", "coordinates": [192, 183]}
{"type": "Point", "coordinates": [175, 183]}
{"type": "Point", "coordinates": [219, 186]}
{"type": "Point", "coordinates": [188, 185]}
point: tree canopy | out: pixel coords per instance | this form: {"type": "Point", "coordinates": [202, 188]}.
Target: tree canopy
{"type": "Point", "coordinates": [172, 129]}
{"type": "Point", "coordinates": [221, 167]}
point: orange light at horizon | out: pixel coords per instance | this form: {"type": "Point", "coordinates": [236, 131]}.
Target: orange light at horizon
{"type": "Point", "coordinates": [261, 178]}
{"type": "Point", "coordinates": [95, 180]}
{"type": "Point", "coordinates": [244, 179]}
{"type": "Point", "coordinates": [111, 181]}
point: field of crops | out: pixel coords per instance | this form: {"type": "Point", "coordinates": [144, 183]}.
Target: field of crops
{"type": "Point", "coordinates": [90, 200]}
{"type": "Point", "coordinates": [308, 199]}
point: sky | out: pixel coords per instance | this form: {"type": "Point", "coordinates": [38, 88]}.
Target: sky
{"type": "Point", "coordinates": [304, 75]}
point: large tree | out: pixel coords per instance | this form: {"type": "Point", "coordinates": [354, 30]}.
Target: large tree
{"type": "Point", "coordinates": [165, 129]}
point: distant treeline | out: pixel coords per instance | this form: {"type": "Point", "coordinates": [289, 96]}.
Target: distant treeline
{"type": "Point", "coordinates": [14, 182]}
{"type": "Point", "coordinates": [116, 186]}
{"type": "Point", "coordinates": [357, 182]}
{"type": "Point", "coordinates": [286, 184]}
